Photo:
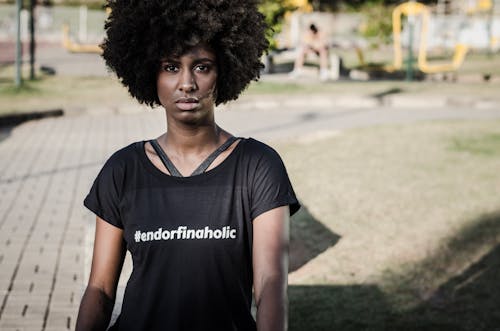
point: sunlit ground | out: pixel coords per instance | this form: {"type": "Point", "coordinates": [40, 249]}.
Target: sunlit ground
{"type": "Point", "coordinates": [417, 212]}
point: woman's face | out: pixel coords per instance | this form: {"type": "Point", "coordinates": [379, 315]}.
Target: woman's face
{"type": "Point", "coordinates": [186, 84]}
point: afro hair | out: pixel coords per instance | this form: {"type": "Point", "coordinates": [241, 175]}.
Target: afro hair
{"type": "Point", "coordinates": [139, 33]}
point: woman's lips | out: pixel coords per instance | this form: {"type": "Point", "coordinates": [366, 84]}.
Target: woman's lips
{"type": "Point", "coordinates": [187, 103]}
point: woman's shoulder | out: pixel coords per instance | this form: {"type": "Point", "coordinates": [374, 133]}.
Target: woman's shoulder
{"type": "Point", "coordinates": [256, 151]}
{"type": "Point", "coordinates": [126, 155]}
{"type": "Point", "coordinates": [255, 147]}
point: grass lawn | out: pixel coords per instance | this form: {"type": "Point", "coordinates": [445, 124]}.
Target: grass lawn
{"type": "Point", "coordinates": [59, 92]}
{"type": "Point", "coordinates": [410, 220]}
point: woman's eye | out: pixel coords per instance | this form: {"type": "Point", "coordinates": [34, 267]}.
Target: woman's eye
{"type": "Point", "coordinates": [170, 68]}
{"type": "Point", "coordinates": [202, 68]}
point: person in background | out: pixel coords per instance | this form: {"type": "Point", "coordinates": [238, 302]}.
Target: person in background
{"type": "Point", "coordinates": [314, 41]}
{"type": "Point", "coordinates": [203, 213]}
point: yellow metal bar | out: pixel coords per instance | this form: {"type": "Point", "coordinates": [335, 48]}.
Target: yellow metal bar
{"type": "Point", "coordinates": [73, 47]}
{"type": "Point", "coordinates": [480, 6]}
{"type": "Point", "coordinates": [302, 5]}
{"type": "Point", "coordinates": [418, 9]}
{"type": "Point", "coordinates": [407, 9]}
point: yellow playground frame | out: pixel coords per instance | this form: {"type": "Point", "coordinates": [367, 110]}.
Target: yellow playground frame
{"type": "Point", "coordinates": [418, 9]}
{"type": "Point", "coordinates": [73, 47]}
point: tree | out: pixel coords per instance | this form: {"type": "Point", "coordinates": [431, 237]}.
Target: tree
{"type": "Point", "coordinates": [274, 11]}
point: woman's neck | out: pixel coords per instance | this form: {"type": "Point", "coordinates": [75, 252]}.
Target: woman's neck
{"type": "Point", "coordinates": [189, 140]}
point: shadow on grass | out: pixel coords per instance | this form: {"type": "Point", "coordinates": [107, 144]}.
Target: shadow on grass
{"type": "Point", "coordinates": [329, 308]}
{"type": "Point", "coordinates": [468, 301]}
{"type": "Point", "coordinates": [308, 238]}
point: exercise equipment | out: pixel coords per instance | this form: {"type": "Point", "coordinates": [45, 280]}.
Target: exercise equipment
{"type": "Point", "coordinates": [74, 47]}
{"type": "Point", "coordinates": [418, 10]}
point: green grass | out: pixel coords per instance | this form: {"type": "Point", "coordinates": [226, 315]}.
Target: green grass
{"type": "Point", "coordinates": [59, 92]}
{"type": "Point", "coordinates": [479, 144]}
{"type": "Point", "coordinates": [27, 89]}
{"type": "Point", "coordinates": [274, 88]}
{"type": "Point", "coordinates": [416, 211]}
{"type": "Point", "coordinates": [365, 89]}
{"type": "Point", "coordinates": [285, 87]}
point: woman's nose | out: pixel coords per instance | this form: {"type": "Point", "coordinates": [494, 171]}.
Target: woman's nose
{"type": "Point", "coordinates": [187, 82]}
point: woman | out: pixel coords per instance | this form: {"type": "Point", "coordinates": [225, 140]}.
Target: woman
{"type": "Point", "coordinates": [203, 214]}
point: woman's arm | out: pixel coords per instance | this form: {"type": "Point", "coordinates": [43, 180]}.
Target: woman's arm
{"type": "Point", "coordinates": [107, 261]}
{"type": "Point", "coordinates": [270, 268]}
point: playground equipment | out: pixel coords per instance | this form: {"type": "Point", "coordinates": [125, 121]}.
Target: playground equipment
{"type": "Point", "coordinates": [302, 5]}
{"type": "Point", "coordinates": [465, 6]}
{"type": "Point", "coordinates": [412, 10]}
{"type": "Point", "coordinates": [479, 6]}
{"type": "Point", "coordinates": [486, 8]}
{"type": "Point", "coordinates": [73, 47]}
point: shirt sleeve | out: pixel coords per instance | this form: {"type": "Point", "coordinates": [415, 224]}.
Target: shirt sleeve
{"type": "Point", "coordinates": [104, 196]}
{"type": "Point", "coordinates": [271, 185]}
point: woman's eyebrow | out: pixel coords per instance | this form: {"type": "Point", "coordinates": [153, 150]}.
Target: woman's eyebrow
{"type": "Point", "coordinates": [178, 60]}
{"type": "Point", "coordinates": [204, 59]}
{"type": "Point", "coordinates": [170, 59]}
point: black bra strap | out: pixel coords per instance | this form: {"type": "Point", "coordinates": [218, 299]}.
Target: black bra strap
{"type": "Point", "coordinates": [208, 161]}
{"type": "Point", "coordinates": [201, 168]}
{"type": "Point", "coordinates": [164, 159]}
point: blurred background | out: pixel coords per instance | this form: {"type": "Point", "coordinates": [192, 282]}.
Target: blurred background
{"type": "Point", "coordinates": [393, 150]}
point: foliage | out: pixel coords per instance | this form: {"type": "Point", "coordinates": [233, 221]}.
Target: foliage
{"type": "Point", "coordinates": [377, 25]}
{"type": "Point", "coordinates": [274, 11]}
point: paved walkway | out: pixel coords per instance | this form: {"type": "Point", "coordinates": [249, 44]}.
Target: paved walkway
{"type": "Point", "coordinates": [46, 168]}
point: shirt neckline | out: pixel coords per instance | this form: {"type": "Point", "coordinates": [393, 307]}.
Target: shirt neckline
{"type": "Point", "coordinates": [163, 176]}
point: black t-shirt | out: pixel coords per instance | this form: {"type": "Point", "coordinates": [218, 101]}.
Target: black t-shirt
{"type": "Point", "coordinates": [190, 237]}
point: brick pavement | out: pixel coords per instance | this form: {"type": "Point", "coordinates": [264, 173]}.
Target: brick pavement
{"type": "Point", "coordinates": [47, 167]}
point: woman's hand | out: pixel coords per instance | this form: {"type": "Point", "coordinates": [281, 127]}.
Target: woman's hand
{"type": "Point", "coordinates": [270, 268]}
{"type": "Point", "coordinates": [107, 261]}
